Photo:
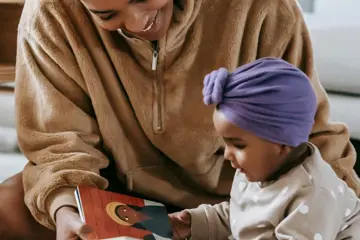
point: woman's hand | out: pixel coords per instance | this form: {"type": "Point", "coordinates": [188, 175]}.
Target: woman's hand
{"type": "Point", "coordinates": [70, 227]}
{"type": "Point", "coordinates": [181, 224]}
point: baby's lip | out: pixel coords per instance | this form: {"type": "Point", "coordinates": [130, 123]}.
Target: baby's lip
{"type": "Point", "coordinates": [235, 165]}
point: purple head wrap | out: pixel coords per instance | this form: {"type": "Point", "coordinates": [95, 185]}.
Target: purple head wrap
{"type": "Point", "coordinates": [268, 97]}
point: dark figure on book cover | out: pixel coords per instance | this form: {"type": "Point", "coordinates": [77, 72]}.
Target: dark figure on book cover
{"type": "Point", "coordinates": [151, 217]}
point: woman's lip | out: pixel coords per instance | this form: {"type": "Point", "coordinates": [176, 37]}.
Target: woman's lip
{"type": "Point", "coordinates": [151, 24]}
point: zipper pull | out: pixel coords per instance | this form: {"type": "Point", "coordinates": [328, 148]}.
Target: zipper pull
{"type": "Point", "coordinates": [155, 60]}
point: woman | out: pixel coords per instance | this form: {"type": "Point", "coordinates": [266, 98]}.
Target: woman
{"type": "Point", "coordinates": [122, 80]}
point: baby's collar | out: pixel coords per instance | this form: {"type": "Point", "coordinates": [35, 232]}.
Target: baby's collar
{"type": "Point", "coordinates": [296, 157]}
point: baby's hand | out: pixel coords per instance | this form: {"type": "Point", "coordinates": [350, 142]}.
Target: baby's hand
{"type": "Point", "coordinates": [181, 224]}
{"type": "Point", "coordinates": [69, 225]}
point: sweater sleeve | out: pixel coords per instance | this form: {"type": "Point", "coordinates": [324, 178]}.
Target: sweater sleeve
{"type": "Point", "coordinates": [57, 128]}
{"type": "Point", "coordinates": [284, 34]}
{"type": "Point", "coordinates": [210, 222]}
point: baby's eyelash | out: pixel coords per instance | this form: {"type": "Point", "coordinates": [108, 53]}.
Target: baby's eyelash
{"type": "Point", "coordinates": [135, 1]}
{"type": "Point", "coordinates": [239, 146]}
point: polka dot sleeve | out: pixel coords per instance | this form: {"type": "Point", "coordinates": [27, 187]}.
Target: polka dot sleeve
{"type": "Point", "coordinates": [314, 214]}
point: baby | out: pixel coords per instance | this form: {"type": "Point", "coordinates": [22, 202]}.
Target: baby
{"type": "Point", "coordinates": [282, 188]}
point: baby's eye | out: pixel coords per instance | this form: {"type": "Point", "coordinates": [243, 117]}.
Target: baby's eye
{"type": "Point", "coordinates": [136, 1]}
{"type": "Point", "coordinates": [240, 146]}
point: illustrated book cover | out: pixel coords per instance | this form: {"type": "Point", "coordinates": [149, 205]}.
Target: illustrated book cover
{"type": "Point", "coordinates": [123, 217]}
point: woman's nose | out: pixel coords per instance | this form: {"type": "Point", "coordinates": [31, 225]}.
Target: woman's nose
{"type": "Point", "coordinates": [136, 20]}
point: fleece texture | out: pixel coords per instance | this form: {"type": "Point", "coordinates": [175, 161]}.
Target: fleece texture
{"type": "Point", "coordinates": [85, 95]}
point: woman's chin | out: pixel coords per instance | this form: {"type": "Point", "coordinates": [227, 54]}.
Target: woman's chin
{"type": "Point", "coordinates": [153, 36]}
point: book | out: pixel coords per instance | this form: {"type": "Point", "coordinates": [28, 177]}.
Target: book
{"type": "Point", "coordinates": [122, 217]}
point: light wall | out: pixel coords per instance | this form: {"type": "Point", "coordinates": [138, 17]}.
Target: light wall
{"type": "Point", "coordinates": [335, 31]}
{"type": "Point", "coordinates": [335, 13]}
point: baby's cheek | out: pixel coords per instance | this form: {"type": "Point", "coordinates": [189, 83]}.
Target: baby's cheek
{"type": "Point", "coordinates": [240, 156]}
{"type": "Point", "coordinates": [267, 167]}
{"type": "Point", "coordinates": [261, 164]}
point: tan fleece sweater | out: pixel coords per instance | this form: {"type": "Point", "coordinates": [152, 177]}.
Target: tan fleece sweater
{"type": "Point", "coordinates": [84, 94]}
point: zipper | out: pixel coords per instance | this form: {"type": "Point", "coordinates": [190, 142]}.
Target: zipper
{"type": "Point", "coordinates": [158, 127]}
{"type": "Point", "coordinates": [155, 58]}
{"type": "Point", "coordinates": [158, 90]}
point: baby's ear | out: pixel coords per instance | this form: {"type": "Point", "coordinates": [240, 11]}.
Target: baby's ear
{"type": "Point", "coordinates": [285, 150]}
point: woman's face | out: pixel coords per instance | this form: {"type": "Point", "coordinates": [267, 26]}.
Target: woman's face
{"type": "Point", "coordinates": [147, 19]}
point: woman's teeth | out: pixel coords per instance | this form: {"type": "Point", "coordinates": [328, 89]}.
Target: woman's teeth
{"type": "Point", "coordinates": [149, 27]}
{"type": "Point", "coordinates": [151, 24]}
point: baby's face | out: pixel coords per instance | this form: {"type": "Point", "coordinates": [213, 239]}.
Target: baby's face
{"type": "Point", "coordinates": [255, 157]}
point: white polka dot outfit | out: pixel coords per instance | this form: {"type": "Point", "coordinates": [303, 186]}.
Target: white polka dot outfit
{"type": "Point", "coordinates": [309, 202]}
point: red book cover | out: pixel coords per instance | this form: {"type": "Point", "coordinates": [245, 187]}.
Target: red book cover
{"type": "Point", "coordinates": [118, 216]}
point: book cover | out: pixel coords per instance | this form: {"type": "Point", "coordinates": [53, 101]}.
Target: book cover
{"type": "Point", "coordinates": [118, 216]}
